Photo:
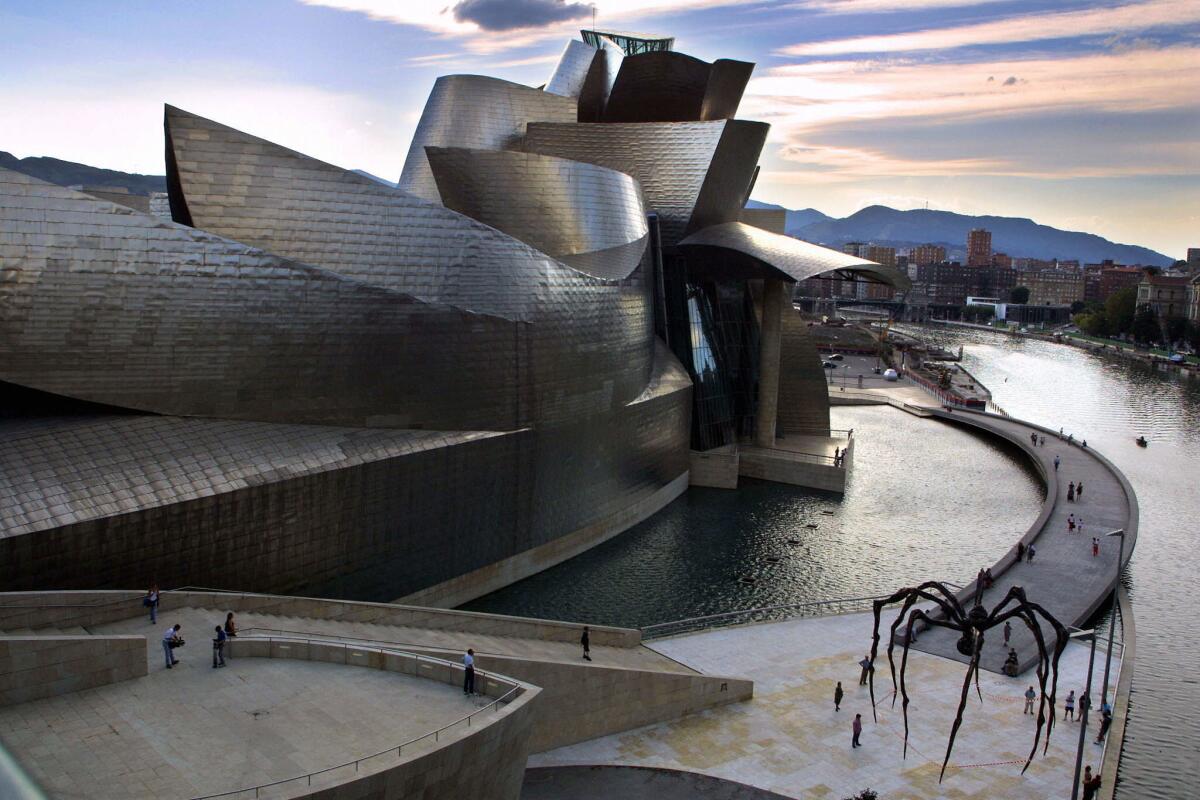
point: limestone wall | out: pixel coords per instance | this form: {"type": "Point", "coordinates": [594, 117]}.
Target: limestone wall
{"type": "Point", "coordinates": [583, 701]}
{"type": "Point", "coordinates": [41, 609]}
{"type": "Point", "coordinates": [34, 667]}
{"type": "Point", "coordinates": [485, 758]}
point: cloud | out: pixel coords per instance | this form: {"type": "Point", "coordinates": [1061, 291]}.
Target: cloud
{"type": "Point", "coordinates": [441, 17]}
{"type": "Point", "coordinates": [506, 15]}
{"type": "Point", "coordinates": [841, 120]}
{"type": "Point", "coordinates": [878, 6]}
{"type": "Point", "coordinates": [1025, 28]}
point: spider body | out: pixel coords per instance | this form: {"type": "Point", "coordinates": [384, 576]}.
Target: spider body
{"type": "Point", "coordinates": [972, 626]}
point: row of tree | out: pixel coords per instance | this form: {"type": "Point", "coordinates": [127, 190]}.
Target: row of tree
{"type": "Point", "coordinates": [1119, 316]}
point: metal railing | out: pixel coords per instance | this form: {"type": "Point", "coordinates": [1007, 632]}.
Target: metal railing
{"type": "Point", "coordinates": [336, 638]}
{"type": "Point", "coordinates": [814, 608]}
{"type": "Point", "coordinates": [397, 749]}
{"type": "Point", "coordinates": [841, 605]}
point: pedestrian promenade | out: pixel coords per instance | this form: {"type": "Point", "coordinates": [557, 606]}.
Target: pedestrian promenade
{"type": "Point", "coordinates": [1064, 577]}
{"type": "Point", "coordinates": [789, 739]}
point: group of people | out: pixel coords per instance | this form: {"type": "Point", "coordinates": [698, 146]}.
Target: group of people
{"type": "Point", "coordinates": [856, 726]}
{"type": "Point", "coordinates": [172, 638]}
{"type": "Point", "coordinates": [1069, 710]}
{"type": "Point", "coordinates": [1038, 441]}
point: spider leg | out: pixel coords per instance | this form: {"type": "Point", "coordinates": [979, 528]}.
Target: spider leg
{"type": "Point", "coordinates": [948, 604]}
{"type": "Point", "coordinates": [914, 595]}
{"type": "Point", "coordinates": [1027, 612]}
{"type": "Point", "coordinates": [962, 704]}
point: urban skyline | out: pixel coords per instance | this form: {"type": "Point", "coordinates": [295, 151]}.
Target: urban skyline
{"type": "Point", "coordinates": [1078, 115]}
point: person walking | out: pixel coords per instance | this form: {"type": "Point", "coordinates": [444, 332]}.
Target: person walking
{"type": "Point", "coordinates": [1079, 491]}
{"type": "Point", "coordinates": [170, 641]}
{"type": "Point", "coordinates": [1095, 547]}
{"type": "Point", "coordinates": [1056, 463]}
{"type": "Point", "coordinates": [1041, 441]}
{"type": "Point", "coordinates": [469, 672]}
{"type": "Point", "coordinates": [1020, 552]}
{"type": "Point", "coordinates": [230, 626]}
{"type": "Point", "coordinates": [1030, 696]}
{"type": "Point", "coordinates": [219, 646]}
{"type": "Point", "coordinates": [1090, 783]}
{"type": "Point", "coordinates": [1070, 492]}
{"type": "Point", "coordinates": [1069, 705]}
{"type": "Point", "coordinates": [866, 669]}
{"type": "Point", "coordinates": [856, 727]}
{"type": "Point", "coordinates": [1029, 554]}
{"type": "Point", "coordinates": [586, 641]}
{"type": "Point", "coordinates": [1070, 523]}
{"type": "Point", "coordinates": [1007, 633]}
{"type": "Point", "coordinates": [838, 694]}
{"type": "Point", "coordinates": [1079, 524]}
{"type": "Point", "coordinates": [151, 602]}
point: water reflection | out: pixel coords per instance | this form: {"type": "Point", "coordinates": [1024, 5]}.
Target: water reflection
{"type": "Point", "coordinates": [889, 530]}
{"type": "Point", "coordinates": [1109, 402]}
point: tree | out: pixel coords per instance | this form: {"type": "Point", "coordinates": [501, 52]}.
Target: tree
{"type": "Point", "coordinates": [1019, 295]}
{"type": "Point", "coordinates": [1078, 306]}
{"type": "Point", "coordinates": [1094, 323]}
{"type": "Point", "coordinates": [1193, 336]}
{"type": "Point", "coordinates": [1120, 308]}
{"type": "Point", "coordinates": [1177, 328]}
{"type": "Point", "coordinates": [1146, 329]}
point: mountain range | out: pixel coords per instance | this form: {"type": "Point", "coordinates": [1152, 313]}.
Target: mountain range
{"type": "Point", "coordinates": [875, 224]}
{"type": "Point", "coordinates": [70, 173]}
{"type": "Point", "coordinates": [1016, 236]}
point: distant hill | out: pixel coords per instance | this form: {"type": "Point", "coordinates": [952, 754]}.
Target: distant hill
{"type": "Point", "coordinates": [796, 219]}
{"type": "Point", "coordinates": [69, 173]}
{"type": "Point", "coordinates": [1012, 235]}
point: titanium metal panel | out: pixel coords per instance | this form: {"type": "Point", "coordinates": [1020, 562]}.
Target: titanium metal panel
{"type": "Point", "coordinates": [598, 86]}
{"type": "Point", "coordinates": [589, 342]}
{"type": "Point", "coordinates": [726, 84]}
{"type": "Point", "coordinates": [727, 184]}
{"type": "Point", "coordinates": [675, 87]}
{"type": "Point", "coordinates": [572, 69]}
{"type": "Point", "coordinates": [478, 112]}
{"type": "Point", "coordinates": [670, 160]}
{"type": "Point", "coordinates": [104, 304]}
{"type": "Point", "coordinates": [783, 257]}
{"type": "Point", "coordinates": [562, 208]}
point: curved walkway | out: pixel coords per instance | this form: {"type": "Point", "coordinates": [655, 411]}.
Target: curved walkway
{"type": "Point", "coordinates": [1064, 577]}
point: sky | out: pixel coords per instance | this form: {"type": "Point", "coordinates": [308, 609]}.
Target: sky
{"type": "Point", "coordinates": [1080, 115]}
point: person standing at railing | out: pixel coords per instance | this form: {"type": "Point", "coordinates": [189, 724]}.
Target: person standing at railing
{"type": "Point", "coordinates": [469, 672]}
{"type": "Point", "coordinates": [219, 646]}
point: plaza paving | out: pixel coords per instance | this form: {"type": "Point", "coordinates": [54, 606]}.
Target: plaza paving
{"type": "Point", "coordinates": [196, 730]}
{"type": "Point", "coordinates": [789, 739]}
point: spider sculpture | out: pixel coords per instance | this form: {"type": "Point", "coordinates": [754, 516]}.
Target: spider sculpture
{"type": "Point", "coordinates": [971, 625]}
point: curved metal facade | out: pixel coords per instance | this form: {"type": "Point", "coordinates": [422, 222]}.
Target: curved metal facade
{"type": "Point", "coordinates": [561, 207]}
{"type": "Point", "coordinates": [313, 380]}
{"type": "Point", "coordinates": [479, 112]}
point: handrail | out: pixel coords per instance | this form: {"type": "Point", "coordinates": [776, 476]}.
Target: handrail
{"type": "Point", "coordinates": [495, 704]}
{"type": "Point", "coordinates": [663, 629]}
{"type": "Point", "coordinates": [241, 632]}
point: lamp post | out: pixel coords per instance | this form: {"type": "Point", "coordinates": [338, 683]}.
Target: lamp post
{"type": "Point", "coordinates": [1085, 703]}
{"type": "Point", "coordinates": [1112, 615]}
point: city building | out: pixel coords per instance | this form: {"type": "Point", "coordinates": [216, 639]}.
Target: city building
{"type": "Point", "coordinates": [312, 381]}
{"type": "Point", "coordinates": [1193, 258]}
{"type": "Point", "coordinates": [1166, 295]}
{"type": "Point", "coordinates": [1002, 260]}
{"type": "Point", "coordinates": [1054, 287]}
{"type": "Point", "coordinates": [925, 254]}
{"type": "Point", "coordinates": [1194, 300]}
{"type": "Point", "coordinates": [979, 247]}
{"type": "Point", "coordinates": [1113, 279]}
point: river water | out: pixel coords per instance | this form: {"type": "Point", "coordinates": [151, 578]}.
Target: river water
{"type": "Point", "coordinates": [930, 501]}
